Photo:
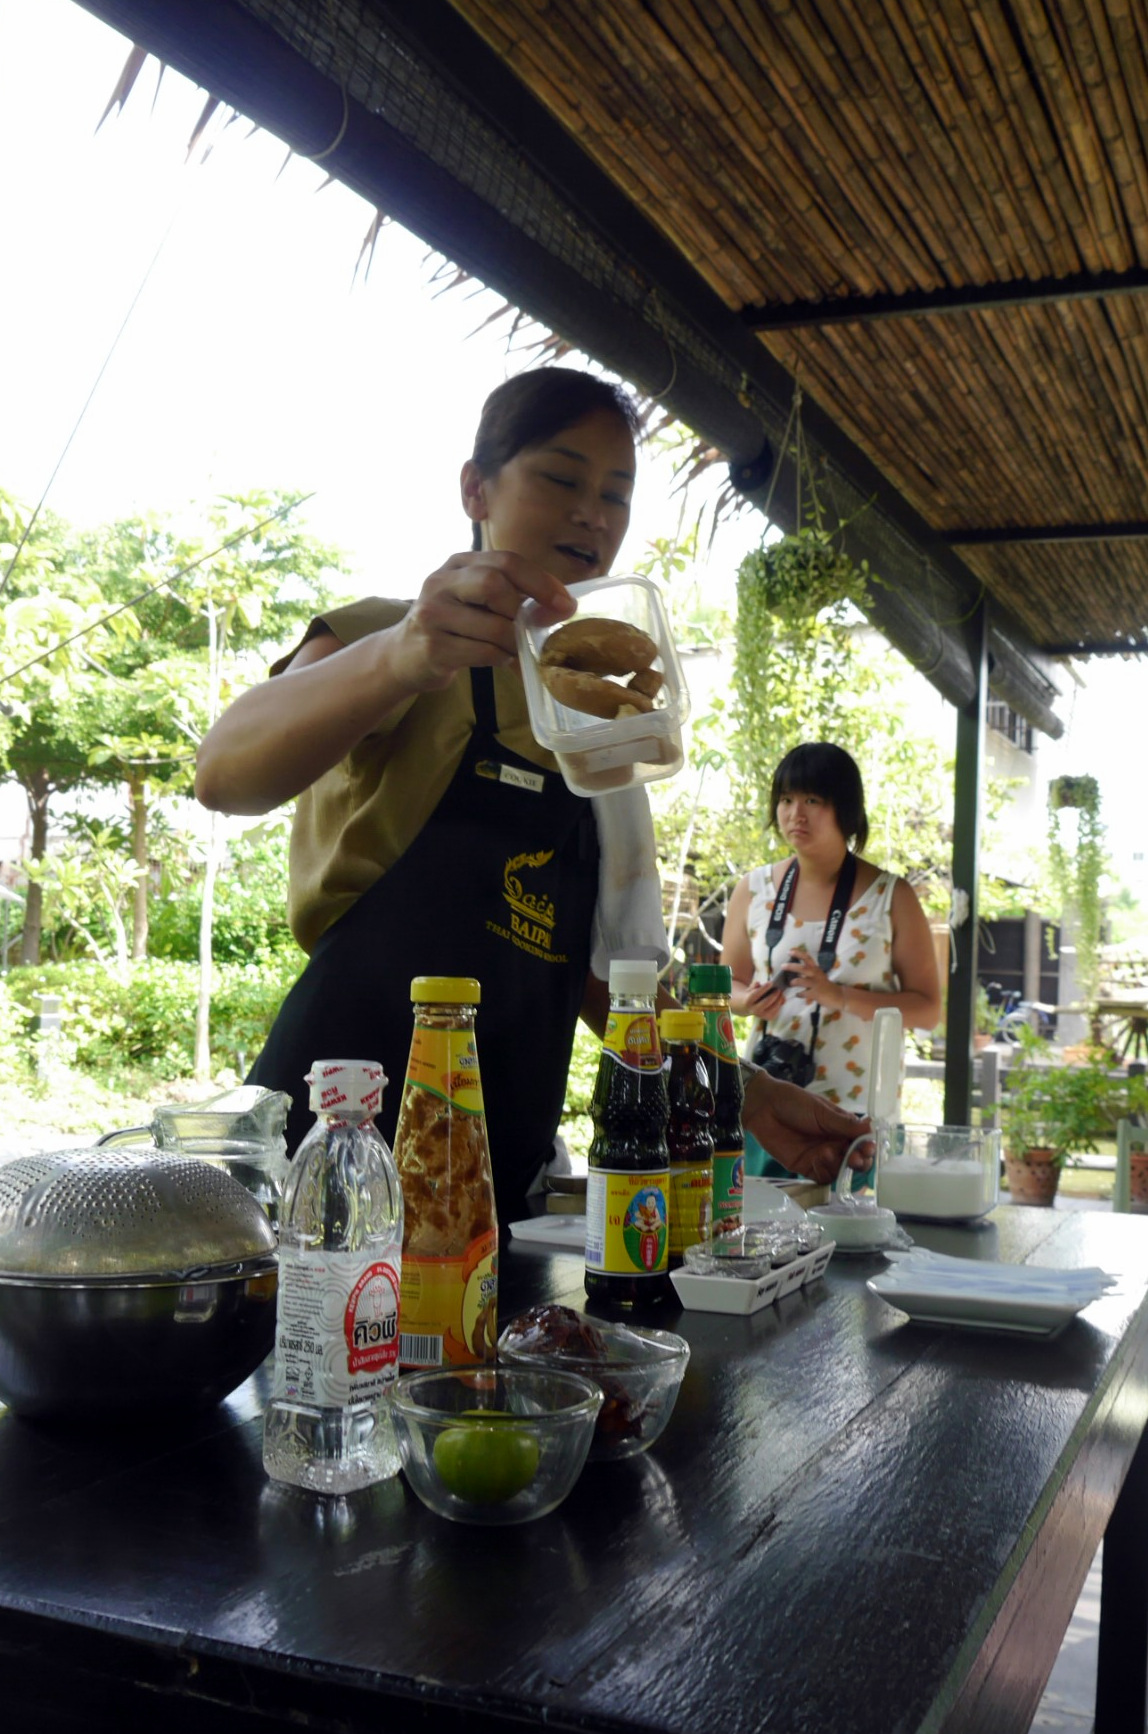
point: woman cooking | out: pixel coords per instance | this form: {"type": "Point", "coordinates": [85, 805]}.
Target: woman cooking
{"type": "Point", "coordinates": [820, 942]}
{"type": "Point", "coordinates": [425, 809]}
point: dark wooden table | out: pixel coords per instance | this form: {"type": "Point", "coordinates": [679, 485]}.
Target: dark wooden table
{"type": "Point", "coordinates": [852, 1524]}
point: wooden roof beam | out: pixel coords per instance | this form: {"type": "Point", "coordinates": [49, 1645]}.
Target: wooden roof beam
{"type": "Point", "coordinates": [921, 303]}
{"type": "Point", "coordinates": [1010, 535]}
{"type": "Point", "coordinates": [1113, 647]}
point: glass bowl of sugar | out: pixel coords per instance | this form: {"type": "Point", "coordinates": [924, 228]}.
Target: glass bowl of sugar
{"type": "Point", "coordinates": [938, 1173]}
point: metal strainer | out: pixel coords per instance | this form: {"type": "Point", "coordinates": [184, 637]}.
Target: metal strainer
{"type": "Point", "coordinates": [100, 1213]}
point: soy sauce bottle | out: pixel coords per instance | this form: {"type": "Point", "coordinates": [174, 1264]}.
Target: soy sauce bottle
{"type": "Point", "coordinates": [689, 1135]}
{"type": "Point", "coordinates": [628, 1169]}
{"type": "Point", "coordinates": [710, 987]}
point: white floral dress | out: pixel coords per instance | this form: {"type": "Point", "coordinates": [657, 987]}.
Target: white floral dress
{"type": "Point", "coordinates": [864, 959]}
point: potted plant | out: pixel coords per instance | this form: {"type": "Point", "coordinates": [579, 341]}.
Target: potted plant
{"type": "Point", "coordinates": [1077, 864]}
{"type": "Point", "coordinates": [986, 1016]}
{"type": "Point", "coordinates": [1050, 1114]}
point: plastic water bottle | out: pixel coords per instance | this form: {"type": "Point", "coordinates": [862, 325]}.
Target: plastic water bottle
{"type": "Point", "coordinates": [328, 1427]}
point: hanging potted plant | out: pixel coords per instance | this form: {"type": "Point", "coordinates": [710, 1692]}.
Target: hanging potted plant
{"type": "Point", "coordinates": [796, 596]}
{"type": "Point", "coordinates": [1051, 1114]}
{"type": "Point", "coordinates": [1077, 865]}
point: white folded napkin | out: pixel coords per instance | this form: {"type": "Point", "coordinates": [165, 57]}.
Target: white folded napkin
{"type": "Point", "coordinates": [942, 1274]}
{"type": "Point", "coordinates": [628, 916]}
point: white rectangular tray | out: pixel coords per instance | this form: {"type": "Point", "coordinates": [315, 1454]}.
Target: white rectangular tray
{"type": "Point", "coordinates": [731, 1294]}
{"type": "Point", "coordinates": [555, 1232]}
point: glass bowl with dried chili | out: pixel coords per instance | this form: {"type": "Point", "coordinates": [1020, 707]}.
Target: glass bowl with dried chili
{"type": "Point", "coordinates": [638, 1370]}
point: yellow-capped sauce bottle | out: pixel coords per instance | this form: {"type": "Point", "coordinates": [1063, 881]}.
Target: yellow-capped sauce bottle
{"type": "Point", "coordinates": [628, 1168]}
{"type": "Point", "coordinates": [689, 1134]}
{"type": "Point", "coordinates": [710, 987]}
{"type": "Point", "coordinates": [450, 1245]}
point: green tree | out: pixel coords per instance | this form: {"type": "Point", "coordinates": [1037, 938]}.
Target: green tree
{"type": "Point", "coordinates": [172, 623]}
{"type": "Point", "coordinates": [47, 678]}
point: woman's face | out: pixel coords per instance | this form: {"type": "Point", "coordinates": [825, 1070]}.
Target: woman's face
{"type": "Point", "coordinates": [809, 823]}
{"type": "Point", "coordinates": [564, 504]}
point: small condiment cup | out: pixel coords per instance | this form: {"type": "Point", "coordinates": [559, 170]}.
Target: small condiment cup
{"type": "Point", "coordinates": [859, 1224]}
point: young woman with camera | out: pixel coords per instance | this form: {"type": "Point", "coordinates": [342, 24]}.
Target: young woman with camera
{"type": "Point", "coordinates": [821, 941]}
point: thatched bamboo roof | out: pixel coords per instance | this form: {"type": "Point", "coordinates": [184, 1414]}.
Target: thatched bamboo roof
{"type": "Point", "coordinates": [935, 216]}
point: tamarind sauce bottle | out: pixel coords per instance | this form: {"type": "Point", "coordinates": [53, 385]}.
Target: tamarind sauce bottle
{"type": "Point", "coordinates": [450, 1242]}
{"type": "Point", "coordinates": [709, 991]}
{"type": "Point", "coordinates": [628, 1168]}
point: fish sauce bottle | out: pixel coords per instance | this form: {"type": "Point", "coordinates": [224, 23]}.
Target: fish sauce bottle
{"type": "Point", "coordinates": [450, 1249]}
{"type": "Point", "coordinates": [689, 1133]}
{"type": "Point", "coordinates": [709, 990]}
{"type": "Point", "coordinates": [628, 1169]}
{"type": "Point", "coordinates": [328, 1426]}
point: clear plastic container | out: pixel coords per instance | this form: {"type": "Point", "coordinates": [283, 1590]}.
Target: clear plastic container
{"type": "Point", "coordinates": [940, 1173]}
{"type": "Point", "coordinates": [596, 754]}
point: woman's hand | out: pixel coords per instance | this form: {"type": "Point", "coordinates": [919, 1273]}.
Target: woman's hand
{"type": "Point", "coordinates": [463, 617]}
{"type": "Point", "coordinates": [805, 1133]}
{"type": "Point", "coordinates": [812, 982]}
{"type": "Point", "coordinates": [278, 737]}
{"type": "Point", "coordinates": [762, 999]}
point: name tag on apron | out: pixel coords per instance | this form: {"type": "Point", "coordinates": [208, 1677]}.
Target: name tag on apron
{"type": "Point", "coordinates": [512, 774]}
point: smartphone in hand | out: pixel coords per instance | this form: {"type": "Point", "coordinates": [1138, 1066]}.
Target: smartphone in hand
{"type": "Point", "coordinates": [783, 979]}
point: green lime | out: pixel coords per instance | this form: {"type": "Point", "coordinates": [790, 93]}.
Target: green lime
{"type": "Point", "coordinates": [487, 1460]}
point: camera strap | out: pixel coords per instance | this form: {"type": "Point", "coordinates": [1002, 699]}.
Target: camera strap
{"type": "Point", "coordinates": [827, 951]}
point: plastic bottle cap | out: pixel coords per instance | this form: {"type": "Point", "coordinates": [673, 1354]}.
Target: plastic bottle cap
{"type": "Point", "coordinates": [634, 976]}
{"type": "Point", "coordinates": [446, 990]}
{"type": "Point", "coordinates": [346, 1086]}
{"type": "Point", "coordinates": [711, 978]}
{"type": "Point", "coordinates": [682, 1026]}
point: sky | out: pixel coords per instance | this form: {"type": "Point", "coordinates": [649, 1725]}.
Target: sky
{"type": "Point", "coordinates": [253, 357]}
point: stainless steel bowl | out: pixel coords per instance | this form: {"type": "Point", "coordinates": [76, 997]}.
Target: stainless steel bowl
{"type": "Point", "coordinates": [103, 1346]}
{"type": "Point", "coordinates": [129, 1283]}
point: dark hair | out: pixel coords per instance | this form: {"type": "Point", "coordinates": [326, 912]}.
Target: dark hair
{"type": "Point", "coordinates": [532, 407]}
{"type": "Point", "coordinates": [820, 768]}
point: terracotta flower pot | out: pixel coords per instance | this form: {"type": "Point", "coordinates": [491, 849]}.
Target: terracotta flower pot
{"type": "Point", "coordinates": [1032, 1178]}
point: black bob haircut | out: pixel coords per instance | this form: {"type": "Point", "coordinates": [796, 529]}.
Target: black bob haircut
{"type": "Point", "coordinates": [532, 407]}
{"type": "Point", "coordinates": [820, 768]}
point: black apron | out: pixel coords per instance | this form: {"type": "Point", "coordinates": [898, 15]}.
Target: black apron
{"type": "Point", "coordinates": [501, 884]}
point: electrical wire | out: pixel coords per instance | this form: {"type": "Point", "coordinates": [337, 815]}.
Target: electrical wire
{"type": "Point", "coordinates": [164, 583]}
{"type": "Point", "coordinates": [87, 402]}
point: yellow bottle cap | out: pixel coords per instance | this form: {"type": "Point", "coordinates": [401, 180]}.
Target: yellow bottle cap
{"type": "Point", "coordinates": [445, 990]}
{"type": "Point", "coordinates": [682, 1026]}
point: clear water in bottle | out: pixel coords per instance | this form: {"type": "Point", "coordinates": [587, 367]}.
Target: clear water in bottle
{"type": "Point", "coordinates": [328, 1426]}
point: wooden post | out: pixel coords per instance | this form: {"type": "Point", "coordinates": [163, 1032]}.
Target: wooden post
{"type": "Point", "coordinates": [959, 1023]}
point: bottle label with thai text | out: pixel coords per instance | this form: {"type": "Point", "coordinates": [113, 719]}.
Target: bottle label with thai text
{"type": "Point", "coordinates": [691, 1204]}
{"type": "Point", "coordinates": [337, 1330]}
{"type": "Point", "coordinates": [729, 1187]}
{"type": "Point", "coordinates": [627, 1222]}
{"type": "Point", "coordinates": [632, 1038]}
{"type": "Point", "coordinates": [718, 1039]}
{"type": "Point", "coordinates": [450, 1306]}
{"type": "Point", "coordinates": [445, 1062]}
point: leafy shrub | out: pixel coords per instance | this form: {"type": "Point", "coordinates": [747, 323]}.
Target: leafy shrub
{"type": "Point", "coordinates": [250, 912]}
{"type": "Point", "coordinates": [576, 1126]}
{"type": "Point", "coordinates": [113, 1021]}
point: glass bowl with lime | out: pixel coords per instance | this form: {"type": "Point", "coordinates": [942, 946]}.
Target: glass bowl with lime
{"type": "Point", "coordinates": [493, 1446]}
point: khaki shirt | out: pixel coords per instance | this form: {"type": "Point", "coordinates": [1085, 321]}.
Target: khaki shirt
{"type": "Point", "coordinates": [359, 817]}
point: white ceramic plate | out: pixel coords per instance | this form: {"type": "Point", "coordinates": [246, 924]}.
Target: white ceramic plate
{"type": "Point", "coordinates": [930, 1300]}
